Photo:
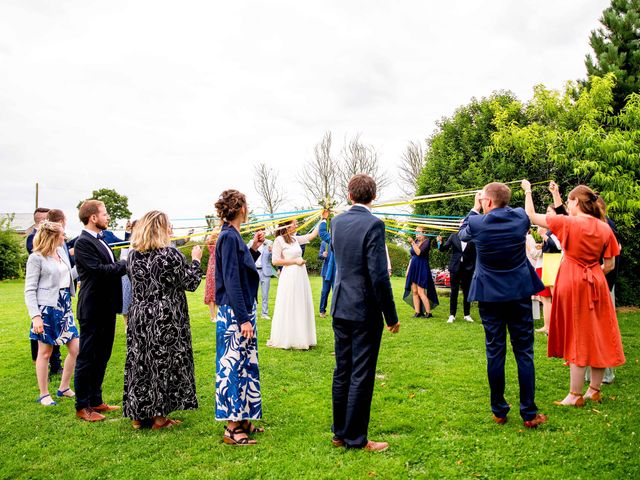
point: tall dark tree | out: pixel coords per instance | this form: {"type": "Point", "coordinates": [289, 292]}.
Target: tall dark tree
{"type": "Point", "coordinates": [117, 205]}
{"type": "Point", "coordinates": [616, 48]}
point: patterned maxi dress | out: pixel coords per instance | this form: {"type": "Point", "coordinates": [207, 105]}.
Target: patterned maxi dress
{"type": "Point", "coordinates": [159, 373]}
{"type": "Point", "coordinates": [238, 395]}
{"type": "Point", "coordinates": [210, 277]}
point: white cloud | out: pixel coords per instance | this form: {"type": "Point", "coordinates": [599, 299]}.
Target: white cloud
{"type": "Point", "coordinates": [171, 103]}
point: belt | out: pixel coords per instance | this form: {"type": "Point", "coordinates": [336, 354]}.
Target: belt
{"type": "Point", "coordinates": [588, 276]}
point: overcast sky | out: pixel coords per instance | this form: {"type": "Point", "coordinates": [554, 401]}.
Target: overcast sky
{"type": "Point", "coordinates": [172, 102]}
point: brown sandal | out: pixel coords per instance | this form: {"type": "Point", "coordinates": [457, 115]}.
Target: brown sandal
{"type": "Point", "coordinates": [594, 397]}
{"type": "Point", "coordinates": [250, 428]}
{"type": "Point", "coordinates": [232, 440]}
{"type": "Point", "coordinates": [578, 403]}
{"type": "Point", "coordinates": [168, 423]}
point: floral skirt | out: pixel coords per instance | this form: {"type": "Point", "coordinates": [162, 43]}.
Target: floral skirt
{"type": "Point", "coordinates": [59, 326]}
{"type": "Point", "coordinates": [238, 394]}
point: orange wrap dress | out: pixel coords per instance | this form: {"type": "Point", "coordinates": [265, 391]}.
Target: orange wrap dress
{"type": "Point", "coordinates": [584, 327]}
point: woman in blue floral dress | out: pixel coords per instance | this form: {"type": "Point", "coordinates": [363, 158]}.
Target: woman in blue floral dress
{"type": "Point", "coordinates": [238, 397]}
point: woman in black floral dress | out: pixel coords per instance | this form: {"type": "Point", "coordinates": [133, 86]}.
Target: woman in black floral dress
{"type": "Point", "coordinates": [159, 373]}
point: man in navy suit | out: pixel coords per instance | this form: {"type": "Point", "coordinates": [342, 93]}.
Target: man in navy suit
{"type": "Point", "coordinates": [362, 296]}
{"type": "Point", "coordinates": [502, 284]}
{"type": "Point", "coordinates": [461, 267]}
{"type": "Point", "coordinates": [99, 299]}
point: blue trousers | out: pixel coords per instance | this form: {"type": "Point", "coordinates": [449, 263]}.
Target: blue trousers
{"type": "Point", "coordinates": [497, 318]}
{"type": "Point", "coordinates": [356, 345]}
{"type": "Point", "coordinates": [324, 296]}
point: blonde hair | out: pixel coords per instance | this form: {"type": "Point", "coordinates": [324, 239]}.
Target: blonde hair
{"type": "Point", "coordinates": [151, 232]}
{"type": "Point", "coordinates": [47, 238]}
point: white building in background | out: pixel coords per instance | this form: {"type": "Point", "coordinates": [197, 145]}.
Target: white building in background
{"type": "Point", "coordinates": [22, 223]}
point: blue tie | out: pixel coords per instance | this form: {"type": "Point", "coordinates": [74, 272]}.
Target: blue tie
{"type": "Point", "coordinates": [100, 236]}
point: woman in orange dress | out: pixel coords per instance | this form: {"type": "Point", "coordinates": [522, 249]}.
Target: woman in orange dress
{"type": "Point", "coordinates": [584, 327]}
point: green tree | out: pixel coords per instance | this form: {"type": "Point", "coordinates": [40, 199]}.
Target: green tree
{"type": "Point", "coordinates": [616, 48]}
{"type": "Point", "coordinates": [572, 136]}
{"type": "Point", "coordinates": [117, 205]}
{"type": "Point", "coordinates": [12, 252]}
{"type": "Point", "coordinates": [456, 156]}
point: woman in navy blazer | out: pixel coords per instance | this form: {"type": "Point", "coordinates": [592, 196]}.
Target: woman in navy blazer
{"type": "Point", "coordinates": [238, 397]}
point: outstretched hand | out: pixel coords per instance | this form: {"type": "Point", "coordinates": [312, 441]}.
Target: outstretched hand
{"type": "Point", "coordinates": [196, 253]}
{"type": "Point", "coordinates": [526, 185]}
{"type": "Point", "coordinates": [553, 187]}
{"type": "Point", "coordinates": [325, 214]}
{"type": "Point", "coordinates": [258, 240]}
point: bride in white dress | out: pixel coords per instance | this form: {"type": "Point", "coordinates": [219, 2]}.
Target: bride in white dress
{"type": "Point", "coordinates": [293, 324]}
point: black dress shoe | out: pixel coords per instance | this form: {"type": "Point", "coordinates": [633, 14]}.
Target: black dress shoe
{"type": "Point", "coordinates": [418, 315]}
{"type": "Point", "coordinates": [428, 315]}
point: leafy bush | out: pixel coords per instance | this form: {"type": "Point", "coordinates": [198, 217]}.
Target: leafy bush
{"type": "Point", "coordinates": [12, 252]}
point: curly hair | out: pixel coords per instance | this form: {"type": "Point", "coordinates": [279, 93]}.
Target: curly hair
{"type": "Point", "coordinates": [230, 204]}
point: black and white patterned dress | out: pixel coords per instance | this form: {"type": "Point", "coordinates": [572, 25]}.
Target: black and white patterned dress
{"type": "Point", "coordinates": [159, 373]}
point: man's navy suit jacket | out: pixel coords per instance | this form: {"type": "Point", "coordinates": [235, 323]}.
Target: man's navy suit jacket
{"type": "Point", "coordinates": [503, 272]}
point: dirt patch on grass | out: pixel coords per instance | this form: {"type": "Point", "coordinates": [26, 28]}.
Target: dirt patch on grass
{"type": "Point", "coordinates": [628, 309]}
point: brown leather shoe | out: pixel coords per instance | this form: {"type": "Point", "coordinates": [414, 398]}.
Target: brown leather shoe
{"type": "Point", "coordinates": [539, 419]}
{"type": "Point", "coordinates": [337, 442]}
{"type": "Point", "coordinates": [499, 420]}
{"type": "Point", "coordinates": [372, 446]}
{"type": "Point", "coordinates": [89, 415]}
{"type": "Point", "coordinates": [103, 407]}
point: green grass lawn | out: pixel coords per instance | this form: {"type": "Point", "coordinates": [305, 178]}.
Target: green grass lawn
{"type": "Point", "coordinates": [431, 403]}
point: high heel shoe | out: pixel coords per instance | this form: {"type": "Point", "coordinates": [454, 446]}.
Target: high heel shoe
{"type": "Point", "coordinates": [596, 396]}
{"type": "Point", "coordinates": [578, 403]}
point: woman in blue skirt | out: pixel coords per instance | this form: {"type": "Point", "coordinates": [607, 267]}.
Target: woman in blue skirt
{"type": "Point", "coordinates": [238, 397]}
{"type": "Point", "coordinates": [420, 290]}
{"type": "Point", "coordinates": [47, 291]}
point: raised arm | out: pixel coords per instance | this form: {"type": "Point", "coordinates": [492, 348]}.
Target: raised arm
{"type": "Point", "coordinates": [555, 193]}
{"type": "Point", "coordinates": [536, 218]}
{"type": "Point", "coordinates": [324, 232]}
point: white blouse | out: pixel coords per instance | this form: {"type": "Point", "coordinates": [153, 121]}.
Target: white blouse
{"type": "Point", "coordinates": [65, 278]}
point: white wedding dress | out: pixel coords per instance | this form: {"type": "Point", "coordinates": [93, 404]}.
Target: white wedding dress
{"type": "Point", "coordinates": [293, 324]}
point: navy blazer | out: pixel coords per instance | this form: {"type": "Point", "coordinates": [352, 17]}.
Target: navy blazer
{"type": "Point", "coordinates": [460, 260]}
{"type": "Point", "coordinates": [237, 277]}
{"type": "Point", "coordinates": [503, 272]}
{"type": "Point", "coordinates": [362, 290]}
{"type": "Point", "coordinates": [29, 241]}
{"type": "Point", "coordinates": [100, 293]}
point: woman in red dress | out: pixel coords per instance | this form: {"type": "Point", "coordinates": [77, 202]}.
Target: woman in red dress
{"type": "Point", "coordinates": [584, 327]}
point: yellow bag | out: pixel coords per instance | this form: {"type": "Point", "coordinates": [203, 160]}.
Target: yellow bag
{"type": "Point", "coordinates": [550, 267]}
